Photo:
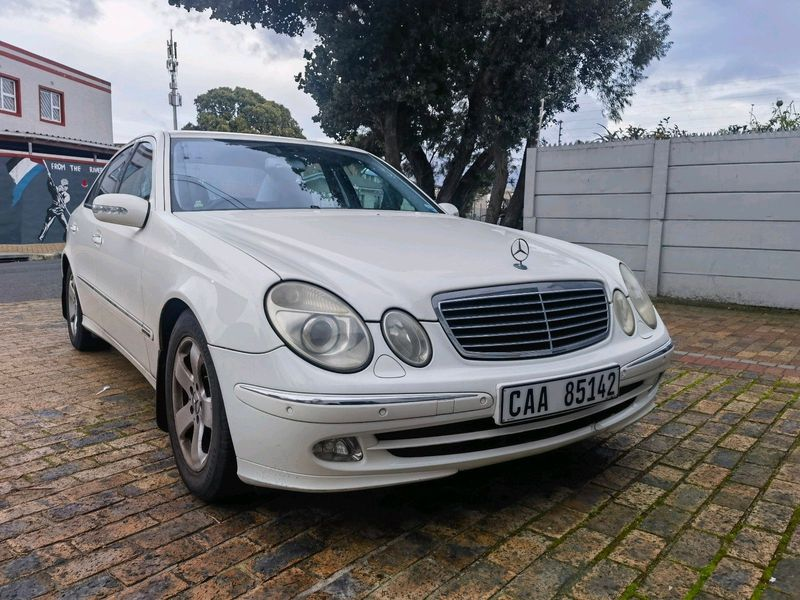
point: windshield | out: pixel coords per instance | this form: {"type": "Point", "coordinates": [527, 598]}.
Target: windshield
{"type": "Point", "coordinates": [215, 174]}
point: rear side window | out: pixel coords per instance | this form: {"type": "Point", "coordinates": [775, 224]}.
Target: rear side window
{"type": "Point", "coordinates": [109, 179]}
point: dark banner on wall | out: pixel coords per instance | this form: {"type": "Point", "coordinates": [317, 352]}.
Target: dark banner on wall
{"type": "Point", "coordinates": [38, 195]}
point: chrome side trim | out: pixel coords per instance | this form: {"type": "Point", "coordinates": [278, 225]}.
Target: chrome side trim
{"type": "Point", "coordinates": [358, 399]}
{"type": "Point", "coordinates": [98, 209]}
{"type": "Point", "coordinates": [658, 352]}
{"type": "Point", "coordinates": [142, 326]}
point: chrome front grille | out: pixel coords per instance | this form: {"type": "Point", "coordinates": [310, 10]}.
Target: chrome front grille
{"type": "Point", "coordinates": [523, 321]}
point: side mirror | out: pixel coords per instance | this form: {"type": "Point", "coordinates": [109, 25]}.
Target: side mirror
{"type": "Point", "coordinates": [121, 209]}
{"type": "Point", "coordinates": [449, 209]}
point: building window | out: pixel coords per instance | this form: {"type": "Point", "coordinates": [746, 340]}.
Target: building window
{"type": "Point", "coordinates": [9, 95]}
{"type": "Point", "coordinates": [51, 106]}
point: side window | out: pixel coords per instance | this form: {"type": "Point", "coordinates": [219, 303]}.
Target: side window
{"type": "Point", "coordinates": [138, 176]}
{"type": "Point", "coordinates": [108, 180]}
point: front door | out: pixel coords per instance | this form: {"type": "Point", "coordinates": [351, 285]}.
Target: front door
{"type": "Point", "coordinates": [118, 257]}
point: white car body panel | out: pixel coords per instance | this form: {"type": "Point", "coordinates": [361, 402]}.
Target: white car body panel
{"type": "Point", "coordinates": [221, 264]}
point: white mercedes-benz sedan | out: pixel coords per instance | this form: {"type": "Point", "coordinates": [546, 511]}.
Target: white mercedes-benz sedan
{"type": "Point", "coordinates": [310, 320]}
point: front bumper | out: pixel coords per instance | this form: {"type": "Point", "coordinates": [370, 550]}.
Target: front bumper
{"type": "Point", "coordinates": [429, 423]}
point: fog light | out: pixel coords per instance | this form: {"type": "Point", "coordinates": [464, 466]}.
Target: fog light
{"type": "Point", "coordinates": [338, 450]}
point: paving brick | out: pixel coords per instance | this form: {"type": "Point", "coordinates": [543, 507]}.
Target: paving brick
{"type": "Point", "coordinates": [708, 476]}
{"type": "Point", "coordinates": [219, 558]}
{"type": "Point", "coordinates": [638, 549]}
{"type": "Point", "coordinates": [733, 579]}
{"type": "Point", "coordinates": [558, 521]}
{"type": "Point", "coordinates": [668, 580]}
{"type": "Point", "coordinates": [770, 516]}
{"type": "Point", "coordinates": [718, 519]}
{"type": "Point", "coordinates": [787, 576]}
{"type": "Point", "coordinates": [688, 497]}
{"type": "Point", "coordinates": [665, 521]}
{"type": "Point", "coordinates": [606, 580]}
{"type": "Point", "coordinates": [228, 584]}
{"type": "Point", "coordinates": [754, 546]}
{"type": "Point", "coordinates": [422, 578]}
{"type": "Point", "coordinates": [517, 552]}
{"type": "Point", "coordinates": [540, 581]}
{"type": "Point", "coordinates": [695, 548]}
{"type": "Point", "coordinates": [480, 580]}
{"type": "Point", "coordinates": [581, 547]}
{"type": "Point", "coordinates": [640, 495]}
{"type": "Point", "coordinates": [783, 492]}
{"type": "Point", "coordinates": [736, 496]}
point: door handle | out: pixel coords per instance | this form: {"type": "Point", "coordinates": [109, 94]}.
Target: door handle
{"type": "Point", "coordinates": [97, 239]}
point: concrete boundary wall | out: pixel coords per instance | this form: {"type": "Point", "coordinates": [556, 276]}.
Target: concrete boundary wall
{"type": "Point", "coordinates": [709, 217]}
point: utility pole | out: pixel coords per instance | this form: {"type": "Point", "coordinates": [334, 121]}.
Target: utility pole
{"type": "Point", "coordinates": [560, 123]}
{"type": "Point", "coordinates": [172, 67]}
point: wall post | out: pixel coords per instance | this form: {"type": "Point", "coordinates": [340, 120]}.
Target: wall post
{"type": "Point", "coordinates": [529, 199]}
{"type": "Point", "coordinates": [658, 202]}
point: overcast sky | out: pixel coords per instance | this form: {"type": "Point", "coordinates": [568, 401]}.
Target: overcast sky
{"type": "Point", "coordinates": [726, 55]}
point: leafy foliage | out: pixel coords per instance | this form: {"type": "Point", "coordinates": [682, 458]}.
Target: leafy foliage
{"type": "Point", "coordinates": [662, 131]}
{"type": "Point", "coordinates": [783, 118]}
{"type": "Point", "coordinates": [243, 111]}
{"type": "Point", "coordinates": [451, 87]}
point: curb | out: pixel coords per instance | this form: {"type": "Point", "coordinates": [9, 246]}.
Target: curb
{"type": "Point", "coordinates": [14, 257]}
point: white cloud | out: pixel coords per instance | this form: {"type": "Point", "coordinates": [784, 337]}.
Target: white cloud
{"type": "Point", "coordinates": [726, 56]}
{"type": "Point", "coordinates": [125, 43]}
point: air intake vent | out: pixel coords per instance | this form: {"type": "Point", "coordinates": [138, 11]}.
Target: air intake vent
{"type": "Point", "coordinates": [541, 319]}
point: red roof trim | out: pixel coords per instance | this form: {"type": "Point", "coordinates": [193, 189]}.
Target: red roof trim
{"type": "Point", "coordinates": [52, 62]}
{"type": "Point", "coordinates": [54, 71]}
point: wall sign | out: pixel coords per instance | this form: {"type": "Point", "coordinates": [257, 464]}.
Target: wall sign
{"type": "Point", "coordinates": [38, 195]}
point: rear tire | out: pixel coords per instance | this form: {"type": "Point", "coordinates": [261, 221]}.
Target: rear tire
{"type": "Point", "coordinates": [82, 339]}
{"type": "Point", "coordinates": [196, 419]}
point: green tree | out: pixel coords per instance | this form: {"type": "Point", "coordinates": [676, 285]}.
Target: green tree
{"type": "Point", "coordinates": [244, 111]}
{"type": "Point", "coordinates": [453, 87]}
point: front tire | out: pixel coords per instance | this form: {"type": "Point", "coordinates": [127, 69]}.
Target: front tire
{"type": "Point", "coordinates": [196, 419]}
{"type": "Point", "coordinates": [82, 339]}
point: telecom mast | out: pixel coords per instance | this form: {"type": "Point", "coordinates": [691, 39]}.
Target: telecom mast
{"type": "Point", "coordinates": [172, 67]}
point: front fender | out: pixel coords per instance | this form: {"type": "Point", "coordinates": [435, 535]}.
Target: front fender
{"type": "Point", "coordinates": [221, 285]}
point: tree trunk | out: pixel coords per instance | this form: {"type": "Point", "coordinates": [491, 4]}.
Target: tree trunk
{"type": "Point", "coordinates": [468, 184]}
{"type": "Point", "coordinates": [469, 138]}
{"type": "Point", "coordinates": [423, 171]}
{"type": "Point", "coordinates": [513, 216]}
{"type": "Point", "coordinates": [500, 157]}
{"type": "Point", "coordinates": [391, 136]}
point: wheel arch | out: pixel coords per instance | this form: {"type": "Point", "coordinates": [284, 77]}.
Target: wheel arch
{"type": "Point", "coordinates": [64, 266]}
{"type": "Point", "coordinates": [171, 311]}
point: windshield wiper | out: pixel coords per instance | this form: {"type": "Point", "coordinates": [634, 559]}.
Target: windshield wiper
{"type": "Point", "coordinates": [205, 185]}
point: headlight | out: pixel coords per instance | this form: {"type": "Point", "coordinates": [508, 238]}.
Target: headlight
{"type": "Point", "coordinates": [319, 326]}
{"type": "Point", "coordinates": [641, 301]}
{"type": "Point", "coordinates": [623, 312]}
{"type": "Point", "coordinates": [406, 338]}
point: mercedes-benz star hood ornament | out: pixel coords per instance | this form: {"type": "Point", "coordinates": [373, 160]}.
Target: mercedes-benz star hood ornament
{"type": "Point", "coordinates": [520, 251]}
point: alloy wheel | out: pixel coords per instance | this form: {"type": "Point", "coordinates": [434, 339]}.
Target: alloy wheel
{"type": "Point", "coordinates": [72, 306]}
{"type": "Point", "coordinates": [192, 404]}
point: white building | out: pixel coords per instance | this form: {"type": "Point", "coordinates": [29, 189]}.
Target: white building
{"type": "Point", "coordinates": [39, 95]}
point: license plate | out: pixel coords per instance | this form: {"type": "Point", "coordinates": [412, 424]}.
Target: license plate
{"type": "Point", "coordinates": [542, 399]}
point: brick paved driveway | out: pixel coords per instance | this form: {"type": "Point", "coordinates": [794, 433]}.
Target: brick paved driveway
{"type": "Point", "coordinates": [701, 498]}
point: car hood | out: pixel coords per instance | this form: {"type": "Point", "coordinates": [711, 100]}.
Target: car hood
{"type": "Point", "coordinates": [380, 260]}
